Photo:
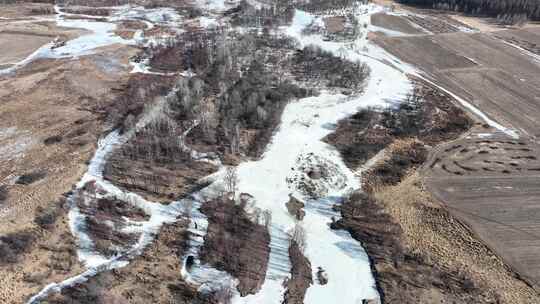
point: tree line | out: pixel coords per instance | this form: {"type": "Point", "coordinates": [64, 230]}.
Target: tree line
{"type": "Point", "coordinates": [508, 11]}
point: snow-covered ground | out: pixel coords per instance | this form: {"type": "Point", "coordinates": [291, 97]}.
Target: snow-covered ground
{"type": "Point", "coordinates": [343, 259]}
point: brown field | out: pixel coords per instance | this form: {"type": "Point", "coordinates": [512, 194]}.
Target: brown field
{"type": "Point", "coordinates": [490, 183]}
{"type": "Point", "coordinates": [15, 47]}
{"type": "Point", "coordinates": [500, 79]}
{"type": "Point", "coordinates": [20, 39]}
{"type": "Point", "coordinates": [493, 184]}
{"type": "Point", "coordinates": [395, 23]}
{"type": "Point", "coordinates": [49, 126]}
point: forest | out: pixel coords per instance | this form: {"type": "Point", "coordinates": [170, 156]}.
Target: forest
{"type": "Point", "coordinates": [506, 11]}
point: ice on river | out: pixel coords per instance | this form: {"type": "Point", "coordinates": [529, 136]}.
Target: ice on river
{"type": "Point", "coordinates": [345, 262]}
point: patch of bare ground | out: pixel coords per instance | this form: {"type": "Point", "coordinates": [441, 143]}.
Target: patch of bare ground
{"type": "Point", "coordinates": [295, 208]}
{"type": "Point", "coordinates": [395, 23]}
{"type": "Point", "coordinates": [50, 118]}
{"type": "Point", "coordinates": [84, 10]}
{"type": "Point", "coordinates": [491, 183]}
{"type": "Point", "coordinates": [527, 40]}
{"type": "Point", "coordinates": [236, 244]}
{"type": "Point", "coordinates": [99, 4]}
{"type": "Point", "coordinates": [478, 23]}
{"type": "Point", "coordinates": [127, 28]}
{"type": "Point", "coordinates": [153, 277]}
{"type": "Point", "coordinates": [33, 257]}
{"type": "Point", "coordinates": [301, 272]}
{"type": "Point", "coordinates": [437, 23]}
{"type": "Point", "coordinates": [419, 21]}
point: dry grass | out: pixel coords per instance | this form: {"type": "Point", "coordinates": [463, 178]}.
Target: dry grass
{"type": "Point", "coordinates": [429, 230]}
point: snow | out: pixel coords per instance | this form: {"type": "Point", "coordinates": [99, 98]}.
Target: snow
{"type": "Point", "coordinates": [207, 22]}
{"type": "Point", "coordinates": [345, 262]}
{"type": "Point", "coordinates": [535, 57]}
{"type": "Point", "coordinates": [485, 135]}
{"type": "Point", "coordinates": [143, 67]}
{"type": "Point", "coordinates": [204, 276]}
{"type": "Point", "coordinates": [214, 5]}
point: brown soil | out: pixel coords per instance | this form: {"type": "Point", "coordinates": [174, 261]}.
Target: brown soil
{"type": "Point", "coordinates": [301, 276]}
{"type": "Point", "coordinates": [295, 208]}
{"type": "Point", "coordinates": [82, 10]}
{"type": "Point", "coordinates": [35, 257]}
{"type": "Point", "coordinates": [19, 40]}
{"type": "Point", "coordinates": [235, 244]}
{"type": "Point", "coordinates": [500, 81]}
{"type": "Point", "coordinates": [335, 24]}
{"type": "Point", "coordinates": [492, 183]}
{"type": "Point", "coordinates": [395, 23]}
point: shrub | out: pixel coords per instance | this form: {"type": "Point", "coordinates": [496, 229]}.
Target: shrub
{"type": "Point", "coordinates": [3, 193]}
{"type": "Point", "coordinates": [52, 140]}
{"type": "Point", "coordinates": [46, 217]}
{"type": "Point", "coordinates": [13, 245]}
{"type": "Point", "coordinates": [30, 178]}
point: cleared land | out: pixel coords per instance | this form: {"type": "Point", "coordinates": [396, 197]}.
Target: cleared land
{"type": "Point", "coordinates": [495, 76]}
{"type": "Point", "coordinates": [491, 183]}
{"type": "Point", "coordinates": [15, 47]}
{"type": "Point", "coordinates": [395, 23]}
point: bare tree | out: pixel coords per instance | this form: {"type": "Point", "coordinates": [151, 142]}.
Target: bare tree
{"type": "Point", "coordinates": [231, 180]}
{"type": "Point", "coordinates": [188, 208]}
{"type": "Point", "coordinates": [224, 294]}
{"type": "Point", "coordinates": [267, 218]}
{"type": "Point", "coordinates": [299, 237]}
